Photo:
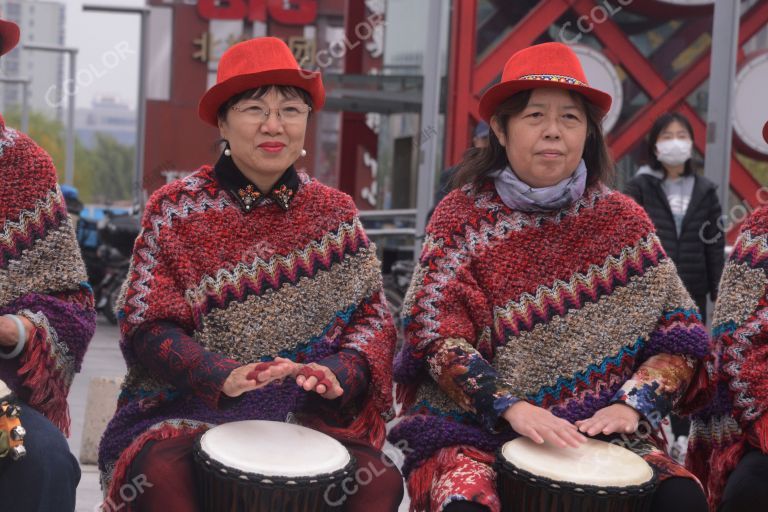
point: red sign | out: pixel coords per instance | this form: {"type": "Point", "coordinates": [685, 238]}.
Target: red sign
{"type": "Point", "coordinates": [294, 12]}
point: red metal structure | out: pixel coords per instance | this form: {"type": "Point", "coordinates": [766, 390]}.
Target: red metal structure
{"type": "Point", "coordinates": [470, 73]}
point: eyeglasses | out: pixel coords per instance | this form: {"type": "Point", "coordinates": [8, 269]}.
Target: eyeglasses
{"type": "Point", "coordinates": [259, 113]}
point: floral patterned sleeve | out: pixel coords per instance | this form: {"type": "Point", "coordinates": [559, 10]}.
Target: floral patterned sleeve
{"type": "Point", "coordinates": [469, 380]}
{"type": "Point", "coordinates": [656, 385]}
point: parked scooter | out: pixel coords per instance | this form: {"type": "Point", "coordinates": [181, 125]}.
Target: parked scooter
{"type": "Point", "coordinates": [106, 246]}
{"type": "Point", "coordinates": [117, 233]}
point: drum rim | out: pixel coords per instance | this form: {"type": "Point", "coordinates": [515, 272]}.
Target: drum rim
{"type": "Point", "coordinates": [205, 462]}
{"type": "Point", "coordinates": [585, 490]}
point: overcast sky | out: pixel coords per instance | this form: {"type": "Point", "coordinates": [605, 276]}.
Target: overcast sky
{"type": "Point", "coordinates": [97, 34]}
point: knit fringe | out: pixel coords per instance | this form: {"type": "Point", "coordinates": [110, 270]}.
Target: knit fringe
{"type": "Point", "coordinates": [406, 395]}
{"type": "Point", "coordinates": [369, 426]}
{"type": "Point", "coordinates": [421, 479]}
{"type": "Point", "coordinates": [420, 484]}
{"type": "Point", "coordinates": [761, 433]}
{"type": "Point", "coordinates": [123, 464]}
{"type": "Point", "coordinates": [46, 383]}
{"type": "Point", "coordinates": [722, 462]}
{"type": "Point", "coordinates": [699, 393]}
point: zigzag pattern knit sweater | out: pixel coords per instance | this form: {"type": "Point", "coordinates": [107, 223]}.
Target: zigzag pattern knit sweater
{"type": "Point", "coordinates": [571, 311]}
{"type": "Point", "coordinates": [42, 277]}
{"type": "Point", "coordinates": [733, 386]}
{"type": "Point", "coordinates": [216, 283]}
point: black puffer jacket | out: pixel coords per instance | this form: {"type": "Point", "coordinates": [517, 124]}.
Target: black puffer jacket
{"type": "Point", "coordinates": [699, 252]}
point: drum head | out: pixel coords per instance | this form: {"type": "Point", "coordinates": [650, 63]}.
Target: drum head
{"type": "Point", "coordinates": [595, 463]}
{"type": "Point", "coordinates": [274, 449]}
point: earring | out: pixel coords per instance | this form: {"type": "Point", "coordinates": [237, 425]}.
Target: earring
{"type": "Point", "coordinates": [303, 152]}
{"type": "Point", "coordinates": [227, 151]}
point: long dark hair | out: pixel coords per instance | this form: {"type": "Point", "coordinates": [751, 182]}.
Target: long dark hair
{"type": "Point", "coordinates": [661, 124]}
{"type": "Point", "coordinates": [479, 162]}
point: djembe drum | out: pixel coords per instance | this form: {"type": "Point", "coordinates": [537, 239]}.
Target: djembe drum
{"type": "Point", "coordinates": [596, 477]}
{"type": "Point", "coordinates": [250, 466]}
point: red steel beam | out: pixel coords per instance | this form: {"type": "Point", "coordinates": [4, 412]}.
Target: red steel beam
{"type": "Point", "coordinates": [521, 35]}
{"type": "Point", "coordinates": [462, 51]}
{"type": "Point", "coordinates": [352, 123]}
{"type": "Point", "coordinates": [742, 181]}
{"type": "Point", "coordinates": [679, 89]}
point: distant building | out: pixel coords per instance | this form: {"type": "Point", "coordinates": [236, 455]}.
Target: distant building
{"type": "Point", "coordinates": [107, 115]}
{"type": "Point", "coordinates": [41, 22]}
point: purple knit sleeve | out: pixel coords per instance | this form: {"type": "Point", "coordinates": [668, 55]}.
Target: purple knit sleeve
{"type": "Point", "coordinates": [64, 325]}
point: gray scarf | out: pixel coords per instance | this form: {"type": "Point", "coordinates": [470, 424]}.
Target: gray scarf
{"type": "Point", "coordinates": [520, 196]}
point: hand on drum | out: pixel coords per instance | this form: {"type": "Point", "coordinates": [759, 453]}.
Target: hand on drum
{"type": "Point", "coordinates": [257, 375]}
{"type": "Point", "coordinates": [614, 419]}
{"type": "Point", "coordinates": [320, 379]}
{"type": "Point", "coordinates": [539, 425]}
{"type": "Point", "coordinates": [311, 377]}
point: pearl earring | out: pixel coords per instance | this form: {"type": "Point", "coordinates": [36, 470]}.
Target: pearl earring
{"type": "Point", "coordinates": [303, 152]}
{"type": "Point", "coordinates": [228, 152]}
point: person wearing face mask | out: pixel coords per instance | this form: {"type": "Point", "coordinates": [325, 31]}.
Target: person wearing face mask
{"type": "Point", "coordinates": [684, 207]}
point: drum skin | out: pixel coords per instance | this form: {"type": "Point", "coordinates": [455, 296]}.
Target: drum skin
{"type": "Point", "coordinates": [522, 490]}
{"type": "Point", "coordinates": [222, 488]}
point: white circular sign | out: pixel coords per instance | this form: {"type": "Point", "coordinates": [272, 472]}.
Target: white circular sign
{"type": "Point", "coordinates": [601, 74]}
{"type": "Point", "coordinates": [750, 113]}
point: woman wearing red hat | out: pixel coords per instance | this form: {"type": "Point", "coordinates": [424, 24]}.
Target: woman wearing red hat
{"type": "Point", "coordinates": [728, 446]}
{"type": "Point", "coordinates": [544, 305]}
{"type": "Point", "coordinates": [46, 320]}
{"type": "Point", "coordinates": [244, 262]}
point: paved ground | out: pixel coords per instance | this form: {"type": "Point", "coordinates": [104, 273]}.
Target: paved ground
{"type": "Point", "coordinates": [103, 359]}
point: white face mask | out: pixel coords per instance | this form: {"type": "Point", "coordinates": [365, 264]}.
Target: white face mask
{"type": "Point", "coordinates": [674, 151]}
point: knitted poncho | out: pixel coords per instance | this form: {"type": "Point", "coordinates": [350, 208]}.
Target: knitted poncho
{"type": "Point", "coordinates": [571, 311]}
{"type": "Point", "coordinates": [42, 278]}
{"type": "Point", "coordinates": [223, 276]}
{"type": "Point", "coordinates": [734, 387]}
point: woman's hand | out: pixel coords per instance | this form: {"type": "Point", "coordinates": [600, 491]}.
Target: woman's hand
{"type": "Point", "coordinates": [540, 425]}
{"type": "Point", "coordinates": [257, 375]}
{"type": "Point", "coordinates": [9, 333]}
{"type": "Point", "coordinates": [321, 380]}
{"type": "Point", "coordinates": [614, 419]}
{"type": "Point", "coordinates": [311, 377]}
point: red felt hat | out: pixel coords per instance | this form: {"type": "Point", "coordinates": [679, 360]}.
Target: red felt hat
{"type": "Point", "coordinates": [765, 132]}
{"type": "Point", "coordinates": [543, 65]}
{"type": "Point", "coordinates": [9, 36]}
{"type": "Point", "coordinates": [256, 63]}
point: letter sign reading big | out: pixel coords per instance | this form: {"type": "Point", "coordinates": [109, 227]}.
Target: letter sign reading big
{"type": "Point", "coordinates": [299, 12]}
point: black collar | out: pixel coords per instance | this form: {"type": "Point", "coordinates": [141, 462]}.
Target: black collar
{"type": "Point", "coordinates": [247, 194]}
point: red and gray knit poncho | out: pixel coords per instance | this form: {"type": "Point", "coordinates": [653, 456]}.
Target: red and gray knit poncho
{"type": "Point", "coordinates": [734, 386]}
{"type": "Point", "coordinates": [216, 283]}
{"type": "Point", "coordinates": [571, 311]}
{"type": "Point", "coordinates": [42, 278]}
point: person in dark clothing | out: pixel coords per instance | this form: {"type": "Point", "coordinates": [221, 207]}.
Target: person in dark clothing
{"type": "Point", "coordinates": [479, 140]}
{"type": "Point", "coordinates": [683, 206]}
{"type": "Point", "coordinates": [685, 209]}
